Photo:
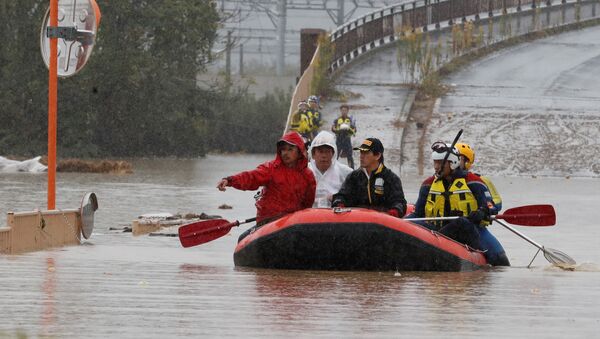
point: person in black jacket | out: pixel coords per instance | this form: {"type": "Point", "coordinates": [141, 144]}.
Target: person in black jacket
{"type": "Point", "coordinates": [373, 185]}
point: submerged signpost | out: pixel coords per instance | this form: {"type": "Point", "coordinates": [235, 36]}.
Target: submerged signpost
{"type": "Point", "coordinates": [67, 37]}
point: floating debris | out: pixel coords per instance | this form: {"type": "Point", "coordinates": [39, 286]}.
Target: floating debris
{"type": "Point", "coordinates": [124, 229]}
{"type": "Point", "coordinates": [225, 207]}
{"type": "Point", "coordinates": [201, 216]}
{"type": "Point", "coordinates": [27, 165]}
{"type": "Point", "coordinates": [152, 223]}
{"type": "Point", "coordinates": [94, 166]}
{"type": "Point", "coordinates": [155, 234]}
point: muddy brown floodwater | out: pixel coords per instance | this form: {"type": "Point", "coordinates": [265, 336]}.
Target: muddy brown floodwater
{"type": "Point", "coordinates": [116, 285]}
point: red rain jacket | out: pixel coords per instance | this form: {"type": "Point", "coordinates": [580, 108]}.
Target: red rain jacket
{"type": "Point", "coordinates": [285, 189]}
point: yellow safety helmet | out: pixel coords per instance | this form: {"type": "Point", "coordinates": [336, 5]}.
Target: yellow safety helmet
{"type": "Point", "coordinates": [466, 151]}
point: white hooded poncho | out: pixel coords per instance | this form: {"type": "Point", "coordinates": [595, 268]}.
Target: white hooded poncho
{"type": "Point", "coordinates": [331, 181]}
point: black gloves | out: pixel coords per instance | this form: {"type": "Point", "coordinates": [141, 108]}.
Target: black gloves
{"type": "Point", "coordinates": [480, 214]}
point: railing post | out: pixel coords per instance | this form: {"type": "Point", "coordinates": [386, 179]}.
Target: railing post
{"type": "Point", "coordinates": [427, 15]}
{"type": "Point", "coordinates": [437, 16]}
{"type": "Point", "coordinates": [414, 16]}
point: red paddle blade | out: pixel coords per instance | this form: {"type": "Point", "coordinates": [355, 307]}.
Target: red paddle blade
{"type": "Point", "coordinates": [531, 215]}
{"type": "Point", "coordinates": [203, 231]}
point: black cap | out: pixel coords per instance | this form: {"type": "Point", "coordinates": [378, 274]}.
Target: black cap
{"type": "Point", "coordinates": [370, 144]}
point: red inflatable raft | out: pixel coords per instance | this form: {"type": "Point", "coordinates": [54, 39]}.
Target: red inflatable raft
{"type": "Point", "coordinates": [352, 239]}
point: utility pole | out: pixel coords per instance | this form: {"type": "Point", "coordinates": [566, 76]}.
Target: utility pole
{"type": "Point", "coordinates": [241, 60]}
{"type": "Point", "coordinates": [276, 10]}
{"type": "Point", "coordinates": [281, 24]}
{"type": "Point", "coordinates": [228, 56]}
{"type": "Point", "coordinates": [340, 13]}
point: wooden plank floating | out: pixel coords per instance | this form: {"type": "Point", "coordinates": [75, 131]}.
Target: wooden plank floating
{"type": "Point", "coordinates": [157, 224]}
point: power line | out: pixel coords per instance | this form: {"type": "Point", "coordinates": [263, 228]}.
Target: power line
{"type": "Point", "coordinates": [245, 13]}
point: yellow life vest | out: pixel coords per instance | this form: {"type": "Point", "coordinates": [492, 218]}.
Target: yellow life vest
{"type": "Point", "coordinates": [315, 118]}
{"type": "Point", "coordinates": [496, 198]}
{"type": "Point", "coordinates": [300, 123]}
{"type": "Point", "coordinates": [339, 121]}
{"type": "Point", "coordinates": [461, 199]}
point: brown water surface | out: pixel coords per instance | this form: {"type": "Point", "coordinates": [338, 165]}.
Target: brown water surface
{"type": "Point", "coordinates": [115, 285]}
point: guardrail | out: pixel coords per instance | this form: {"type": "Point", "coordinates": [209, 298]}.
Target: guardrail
{"type": "Point", "coordinates": [380, 28]}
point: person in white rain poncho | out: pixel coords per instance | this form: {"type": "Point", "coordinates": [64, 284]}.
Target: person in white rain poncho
{"type": "Point", "coordinates": [329, 173]}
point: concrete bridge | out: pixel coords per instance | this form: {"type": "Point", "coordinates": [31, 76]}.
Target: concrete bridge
{"type": "Point", "coordinates": [516, 105]}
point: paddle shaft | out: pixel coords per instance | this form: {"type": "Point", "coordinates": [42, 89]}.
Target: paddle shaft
{"type": "Point", "coordinates": [530, 215]}
{"type": "Point", "coordinates": [230, 225]}
{"type": "Point", "coordinates": [493, 217]}
{"type": "Point", "coordinates": [439, 174]}
{"type": "Point", "coordinates": [523, 236]}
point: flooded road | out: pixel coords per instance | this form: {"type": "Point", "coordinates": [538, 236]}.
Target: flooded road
{"type": "Point", "coordinates": [529, 109]}
{"type": "Point", "coordinates": [117, 285]}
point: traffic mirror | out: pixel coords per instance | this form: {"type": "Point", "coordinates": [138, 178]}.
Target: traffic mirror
{"type": "Point", "coordinates": [76, 32]}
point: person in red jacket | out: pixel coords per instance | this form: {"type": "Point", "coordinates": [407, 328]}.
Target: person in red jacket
{"type": "Point", "coordinates": [288, 184]}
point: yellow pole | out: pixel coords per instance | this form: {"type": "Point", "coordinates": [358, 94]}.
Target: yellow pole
{"type": "Point", "coordinates": [52, 108]}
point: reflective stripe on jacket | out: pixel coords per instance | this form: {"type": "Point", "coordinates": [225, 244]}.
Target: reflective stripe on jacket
{"type": "Point", "coordinates": [381, 190]}
{"type": "Point", "coordinates": [340, 121]}
{"type": "Point", "coordinates": [315, 118]}
{"type": "Point", "coordinates": [496, 198]}
{"type": "Point", "coordinates": [476, 186]}
{"type": "Point", "coordinates": [301, 123]}
{"type": "Point", "coordinates": [459, 195]}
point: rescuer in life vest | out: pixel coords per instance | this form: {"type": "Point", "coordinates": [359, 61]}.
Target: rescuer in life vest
{"type": "Point", "coordinates": [301, 122]}
{"type": "Point", "coordinates": [314, 115]}
{"type": "Point", "coordinates": [344, 128]}
{"type": "Point", "coordinates": [455, 192]}
{"type": "Point", "coordinates": [494, 251]}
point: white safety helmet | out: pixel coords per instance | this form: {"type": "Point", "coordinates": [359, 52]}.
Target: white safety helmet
{"type": "Point", "coordinates": [313, 98]}
{"type": "Point", "coordinates": [440, 149]}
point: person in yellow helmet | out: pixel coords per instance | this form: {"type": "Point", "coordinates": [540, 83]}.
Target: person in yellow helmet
{"type": "Point", "coordinates": [301, 122]}
{"type": "Point", "coordinates": [467, 158]}
{"type": "Point", "coordinates": [494, 250]}
{"type": "Point", "coordinates": [314, 114]}
{"type": "Point", "coordinates": [452, 192]}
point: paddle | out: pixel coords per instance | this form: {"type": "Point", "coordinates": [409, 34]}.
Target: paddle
{"type": "Point", "coordinates": [206, 230]}
{"type": "Point", "coordinates": [553, 256]}
{"type": "Point", "coordinates": [439, 173]}
{"type": "Point", "coordinates": [530, 215]}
